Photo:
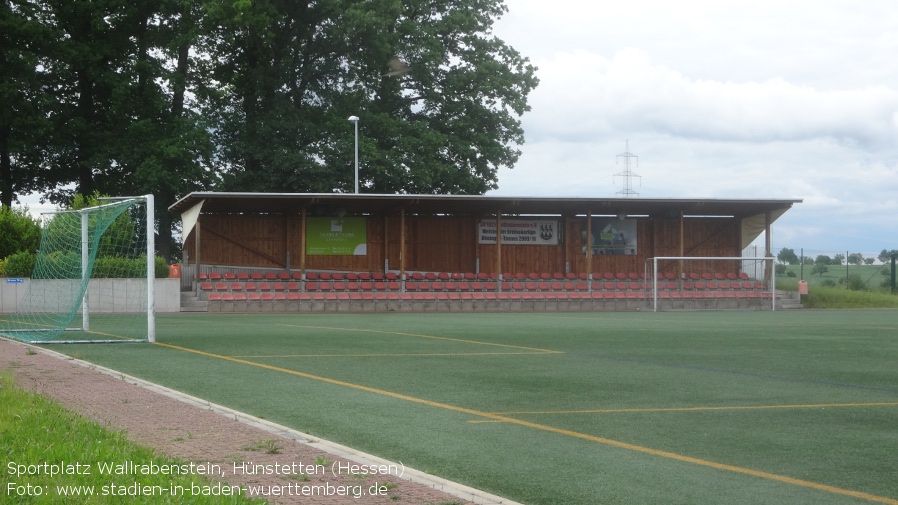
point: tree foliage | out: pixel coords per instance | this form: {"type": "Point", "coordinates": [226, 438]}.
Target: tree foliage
{"type": "Point", "coordinates": [787, 256]}
{"type": "Point", "coordinates": [127, 97]}
{"type": "Point", "coordinates": [19, 232]}
{"type": "Point", "coordinates": [820, 268]}
{"type": "Point", "coordinates": [855, 259]}
{"type": "Point", "coordinates": [288, 74]}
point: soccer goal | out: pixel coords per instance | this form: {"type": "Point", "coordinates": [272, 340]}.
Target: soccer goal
{"type": "Point", "coordinates": [711, 283]}
{"type": "Point", "coordinates": [93, 279]}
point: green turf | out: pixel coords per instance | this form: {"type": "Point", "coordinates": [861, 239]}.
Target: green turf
{"type": "Point", "coordinates": [538, 407]}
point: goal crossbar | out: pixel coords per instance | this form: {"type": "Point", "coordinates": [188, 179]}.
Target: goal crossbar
{"type": "Point", "coordinates": [772, 279]}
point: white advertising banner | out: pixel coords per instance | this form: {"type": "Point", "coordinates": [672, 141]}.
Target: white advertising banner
{"type": "Point", "coordinates": [520, 232]}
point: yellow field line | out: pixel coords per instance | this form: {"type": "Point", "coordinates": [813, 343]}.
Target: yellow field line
{"type": "Point", "coordinates": [386, 355]}
{"type": "Point", "coordinates": [560, 431]}
{"type": "Point", "coordinates": [392, 355]}
{"type": "Point", "coordinates": [477, 342]}
{"type": "Point", "coordinates": [697, 409]}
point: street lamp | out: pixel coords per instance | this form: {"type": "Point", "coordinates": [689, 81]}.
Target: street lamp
{"type": "Point", "coordinates": [355, 121]}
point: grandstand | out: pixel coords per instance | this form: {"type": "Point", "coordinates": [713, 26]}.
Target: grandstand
{"type": "Point", "coordinates": [337, 252]}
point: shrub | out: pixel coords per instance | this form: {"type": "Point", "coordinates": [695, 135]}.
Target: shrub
{"type": "Point", "coordinates": [20, 264]}
{"type": "Point", "coordinates": [854, 282]}
{"type": "Point", "coordinates": [117, 266]}
{"type": "Point", "coordinates": [51, 265]}
{"type": "Point", "coordinates": [19, 232]}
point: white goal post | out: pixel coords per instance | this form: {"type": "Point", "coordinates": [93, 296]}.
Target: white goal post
{"type": "Point", "coordinates": [100, 262]}
{"type": "Point", "coordinates": [771, 280]}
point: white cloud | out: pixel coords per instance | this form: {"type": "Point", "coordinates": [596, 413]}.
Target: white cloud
{"type": "Point", "coordinates": [720, 99]}
{"type": "Point", "coordinates": [583, 94]}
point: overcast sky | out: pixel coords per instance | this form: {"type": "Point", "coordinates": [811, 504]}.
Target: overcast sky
{"type": "Point", "coordinates": [718, 99]}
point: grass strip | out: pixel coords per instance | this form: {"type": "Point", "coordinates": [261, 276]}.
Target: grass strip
{"type": "Point", "coordinates": [52, 456]}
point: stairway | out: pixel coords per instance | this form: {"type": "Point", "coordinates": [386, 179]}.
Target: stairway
{"type": "Point", "coordinates": [788, 300]}
{"type": "Point", "coordinates": [190, 303]}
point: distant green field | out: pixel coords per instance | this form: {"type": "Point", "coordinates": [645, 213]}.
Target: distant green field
{"type": "Point", "coordinates": [796, 407]}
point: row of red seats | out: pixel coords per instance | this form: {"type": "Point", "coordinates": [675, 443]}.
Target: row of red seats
{"type": "Point", "coordinates": [456, 276]}
{"type": "Point", "coordinates": [449, 286]}
{"type": "Point", "coordinates": [254, 296]}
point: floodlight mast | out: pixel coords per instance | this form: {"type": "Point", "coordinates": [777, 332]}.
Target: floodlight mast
{"type": "Point", "coordinates": [355, 121]}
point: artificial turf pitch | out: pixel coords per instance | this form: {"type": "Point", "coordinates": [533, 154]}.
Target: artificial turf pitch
{"type": "Point", "coordinates": [620, 408]}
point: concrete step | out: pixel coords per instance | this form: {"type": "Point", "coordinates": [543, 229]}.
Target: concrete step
{"type": "Point", "coordinates": [789, 300]}
{"type": "Point", "coordinates": [190, 303]}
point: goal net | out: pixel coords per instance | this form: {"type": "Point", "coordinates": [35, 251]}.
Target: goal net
{"type": "Point", "coordinates": [92, 279]}
{"type": "Point", "coordinates": [711, 283]}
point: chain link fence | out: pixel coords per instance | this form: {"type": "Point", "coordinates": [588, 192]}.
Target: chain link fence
{"type": "Point", "coordinates": [855, 270]}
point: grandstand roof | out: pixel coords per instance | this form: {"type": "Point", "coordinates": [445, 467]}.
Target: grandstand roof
{"type": "Point", "coordinates": [326, 203]}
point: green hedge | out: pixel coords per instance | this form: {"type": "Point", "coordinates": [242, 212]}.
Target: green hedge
{"type": "Point", "coordinates": [20, 264]}
{"type": "Point", "coordinates": [54, 265]}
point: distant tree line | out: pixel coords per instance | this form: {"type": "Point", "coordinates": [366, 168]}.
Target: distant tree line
{"type": "Point", "coordinates": [127, 97]}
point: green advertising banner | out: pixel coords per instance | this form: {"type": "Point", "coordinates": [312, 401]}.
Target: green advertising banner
{"type": "Point", "coordinates": [336, 236]}
{"type": "Point", "coordinates": [611, 235]}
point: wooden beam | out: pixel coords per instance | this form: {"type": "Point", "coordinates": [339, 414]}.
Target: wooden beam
{"type": "Point", "coordinates": [498, 241]}
{"type": "Point", "coordinates": [768, 265]}
{"type": "Point", "coordinates": [682, 243]}
{"type": "Point", "coordinates": [287, 236]}
{"type": "Point", "coordinates": [302, 242]}
{"type": "Point", "coordinates": [386, 262]}
{"type": "Point", "coordinates": [402, 243]}
{"type": "Point", "coordinates": [196, 246]}
{"type": "Point", "coordinates": [589, 244]}
{"type": "Point", "coordinates": [567, 249]}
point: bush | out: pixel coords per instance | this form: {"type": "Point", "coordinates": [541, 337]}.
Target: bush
{"type": "Point", "coordinates": [20, 264]}
{"type": "Point", "coordinates": [19, 232]}
{"type": "Point", "coordinates": [51, 266]}
{"type": "Point", "coordinates": [117, 266]}
{"type": "Point", "coordinates": [854, 282]}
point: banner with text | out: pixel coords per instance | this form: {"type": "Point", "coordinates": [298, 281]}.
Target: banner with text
{"type": "Point", "coordinates": [520, 232]}
{"type": "Point", "coordinates": [333, 236]}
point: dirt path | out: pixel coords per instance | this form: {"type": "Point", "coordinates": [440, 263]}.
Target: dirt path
{"type": "Point", "coordinates": [195, 431]}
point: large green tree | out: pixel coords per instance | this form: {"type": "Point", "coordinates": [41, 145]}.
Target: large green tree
{"type": "Point", "coordinates": [24, 123]}
{"type": "Point", "coordinates": [438, 95]}
{"type": "Point", "coordinates": [170, 96]}
{"type": "Point", "coordinates": [109, 108]}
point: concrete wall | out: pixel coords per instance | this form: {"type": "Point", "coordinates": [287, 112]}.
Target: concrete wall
{"type": "Point", "coordinates": [107, 295]}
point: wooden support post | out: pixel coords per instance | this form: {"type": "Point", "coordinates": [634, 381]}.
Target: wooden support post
{"type": "Point", "coordinates": [302, 243]}
{"type": "Point", "coordinates": [402, 245]}
{"type": "Point", "coordinates": [499, 242]}
{"type": "Point", "coordinates": [682, 244]}
{"type": "Point", "coordinates": [768, 265]}
{"type": "Point", "coordinates": [567, 251]}
{"type": "Point", "coordinates": [588, 244]}
{"type": "Point", "coordinates": [288, 237]}
{"type": "Point", "coordinates": [386, 264]}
